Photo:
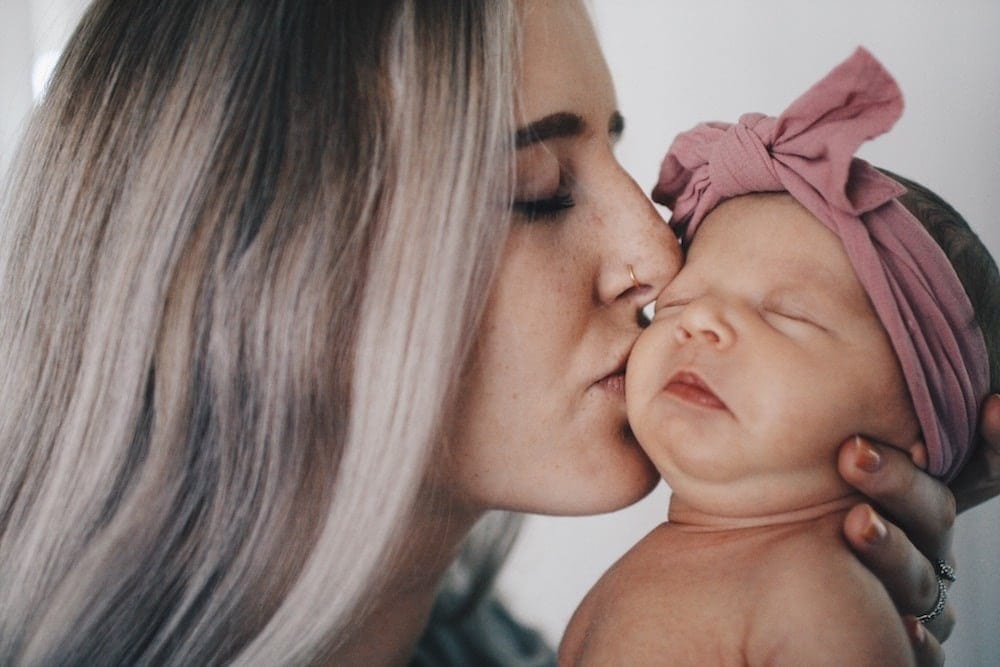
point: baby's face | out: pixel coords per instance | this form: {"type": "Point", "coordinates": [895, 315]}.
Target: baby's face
{"type": "Point", "coordinates": [763, 356]}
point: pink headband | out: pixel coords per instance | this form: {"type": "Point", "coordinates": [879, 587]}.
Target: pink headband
{"type": "Point", "coordinates": [808, 151]}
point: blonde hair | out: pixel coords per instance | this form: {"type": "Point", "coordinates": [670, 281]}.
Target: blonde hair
{"type": "Point", "coordinates": [242, 248]}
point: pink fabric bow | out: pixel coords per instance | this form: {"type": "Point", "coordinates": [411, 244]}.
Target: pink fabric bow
{"type": "Point", "coordinates": [808, 151]}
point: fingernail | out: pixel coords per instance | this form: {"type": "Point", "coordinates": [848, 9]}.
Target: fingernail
{"type": "Point", "coordinates": [875, 531]}
{"type": "Point", "coordinates": [918, 454]}
{"type": "Point", "coordinates": [916, 630]}
{"type": "Point", "coordinates": [866, 457]}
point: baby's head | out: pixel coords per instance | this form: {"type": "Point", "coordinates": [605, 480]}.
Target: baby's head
{"type": "Point", "coordinates": [803, 314]}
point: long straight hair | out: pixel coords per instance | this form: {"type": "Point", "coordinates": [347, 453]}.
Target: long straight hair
{"type": "Point", "coordinates": [240, 252]}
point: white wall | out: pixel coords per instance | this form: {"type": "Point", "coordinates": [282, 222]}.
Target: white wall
{"type": "Point", "coordinates": [678, 63]}
{"type": "Point", "coordinates": [31, 34]}
{"type": "Point", "coordinates": [15, 72]}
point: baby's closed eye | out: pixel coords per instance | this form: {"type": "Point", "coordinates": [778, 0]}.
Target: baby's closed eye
{"type": "Point", "coordinates": [789, 308]}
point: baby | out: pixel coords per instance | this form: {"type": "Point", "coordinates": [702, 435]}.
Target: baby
{"type": "Point", "coordinates": [813, 305]}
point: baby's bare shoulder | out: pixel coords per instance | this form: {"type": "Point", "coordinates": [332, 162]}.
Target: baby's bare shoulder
{"type": "Point", "coordinates": [654, 606]}
{"type": "Point", "coordinates": [777, 597]}
{"type": "Point", "coordinates": [817, 602]}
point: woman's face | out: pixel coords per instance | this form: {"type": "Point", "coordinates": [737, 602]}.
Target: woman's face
{"type": "Point", "coordinates": [541, 425]}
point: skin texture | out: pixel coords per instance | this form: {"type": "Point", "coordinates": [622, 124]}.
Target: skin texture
{"type": "Point", "coordinates": [563, 314]}
{"type": "Point", "coordinates": [780, 594]}
{"type": "Point", "coordinates": [740, 392]}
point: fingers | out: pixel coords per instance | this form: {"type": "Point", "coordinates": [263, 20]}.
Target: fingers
{"type": "Point", "coordinates": [901, 554]}
{"type": "Point", "coordinates": [942, 626]}
{"type": "Point", "coordinates": [907, 575]}
{"type": "Point", "coordinates": [920, 505]}
{"type": "Point", "coordinates": [989, 422]}
{"type": "Point", "coordinates": [926, 649]}
{"type": "Point", "coordinates": [980, 478]}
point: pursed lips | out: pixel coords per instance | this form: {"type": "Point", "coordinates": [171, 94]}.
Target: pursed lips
{"type": "Point", "coordinates": [689, 387]}
{"type": "Point", "coordinates": [615, 380]}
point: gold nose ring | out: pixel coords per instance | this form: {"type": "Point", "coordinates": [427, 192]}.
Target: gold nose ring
{"type": "Point", "coordinates": [631, 274]}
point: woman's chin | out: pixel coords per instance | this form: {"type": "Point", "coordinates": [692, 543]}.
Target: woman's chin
{"type": "Point", "coordinates": [572, 476]}
{"type": "Point", "coordinates": [627, 495]}
{"type": "Point", "coordinates": [619, 485]}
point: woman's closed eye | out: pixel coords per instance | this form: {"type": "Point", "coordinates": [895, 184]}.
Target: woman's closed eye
{"type": "Point", "coordinates": [545, 208]}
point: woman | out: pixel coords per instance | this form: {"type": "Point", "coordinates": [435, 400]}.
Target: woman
{"type": "Point", "coordinates": [275, 338]}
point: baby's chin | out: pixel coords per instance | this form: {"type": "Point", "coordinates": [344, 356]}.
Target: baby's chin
{"type": "Point", "coordinates": [758, 500]}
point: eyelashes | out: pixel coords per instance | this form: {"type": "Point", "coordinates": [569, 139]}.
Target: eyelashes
{"type": "Point", "coordinates": [798, 318]}
{"type": "Point", "coordinates": [547, 208]}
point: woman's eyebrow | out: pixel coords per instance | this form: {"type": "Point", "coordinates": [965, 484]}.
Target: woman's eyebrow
{"type": "Point", "coordinates": [562, 124]}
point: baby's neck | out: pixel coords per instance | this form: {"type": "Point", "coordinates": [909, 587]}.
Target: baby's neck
{"type": "Point", "coordinates": [684, 516]}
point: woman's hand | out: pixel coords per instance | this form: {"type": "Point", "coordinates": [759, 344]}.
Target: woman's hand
{"type": "Point", "coordinates": [921, 510]}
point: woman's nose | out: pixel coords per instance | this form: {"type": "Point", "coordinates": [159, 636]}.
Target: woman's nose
{"type": "Point", "coordinates": [640, 254]}
{"type": "Point", "coordinates": [704, 320]}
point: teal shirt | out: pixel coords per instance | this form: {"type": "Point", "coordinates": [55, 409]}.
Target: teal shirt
{"type": "Point", "coordinates": [485, 637]}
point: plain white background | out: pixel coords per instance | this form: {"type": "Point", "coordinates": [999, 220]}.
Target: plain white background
{"type": "Point", "coordinates": [678, 63]}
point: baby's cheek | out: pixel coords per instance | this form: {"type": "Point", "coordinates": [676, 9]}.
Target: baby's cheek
{"type": "Point", "coordinates": [641, 410]}
{"type": "Point", "coordinates": [801, 420]}
{"type": "Point", "coordinates": [871, 385]}
{"type": "Point", "coordinates": [645, 365]}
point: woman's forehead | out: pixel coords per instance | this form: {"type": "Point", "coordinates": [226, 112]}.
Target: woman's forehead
{"type": "Point", "coordinates": [562, 66]}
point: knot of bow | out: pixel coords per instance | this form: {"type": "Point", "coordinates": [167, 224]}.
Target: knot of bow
{"type": "Point", "coordinates": [807, 151]}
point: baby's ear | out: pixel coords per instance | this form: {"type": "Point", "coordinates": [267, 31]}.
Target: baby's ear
{"type": "Point", "coordinates": [918, 454]}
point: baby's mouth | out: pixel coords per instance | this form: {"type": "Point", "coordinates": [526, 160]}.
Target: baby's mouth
{"type": "Point", "coordinates": [689, 387]}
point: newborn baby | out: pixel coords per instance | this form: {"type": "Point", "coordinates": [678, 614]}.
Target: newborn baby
{"type": "Point", "coordinates": [812, 306]}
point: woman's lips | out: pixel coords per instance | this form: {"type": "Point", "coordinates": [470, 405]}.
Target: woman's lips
{"type": "Point", "coordinates": [689, 387]}
{"type": "Point", "coordinates": [614, 383]}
